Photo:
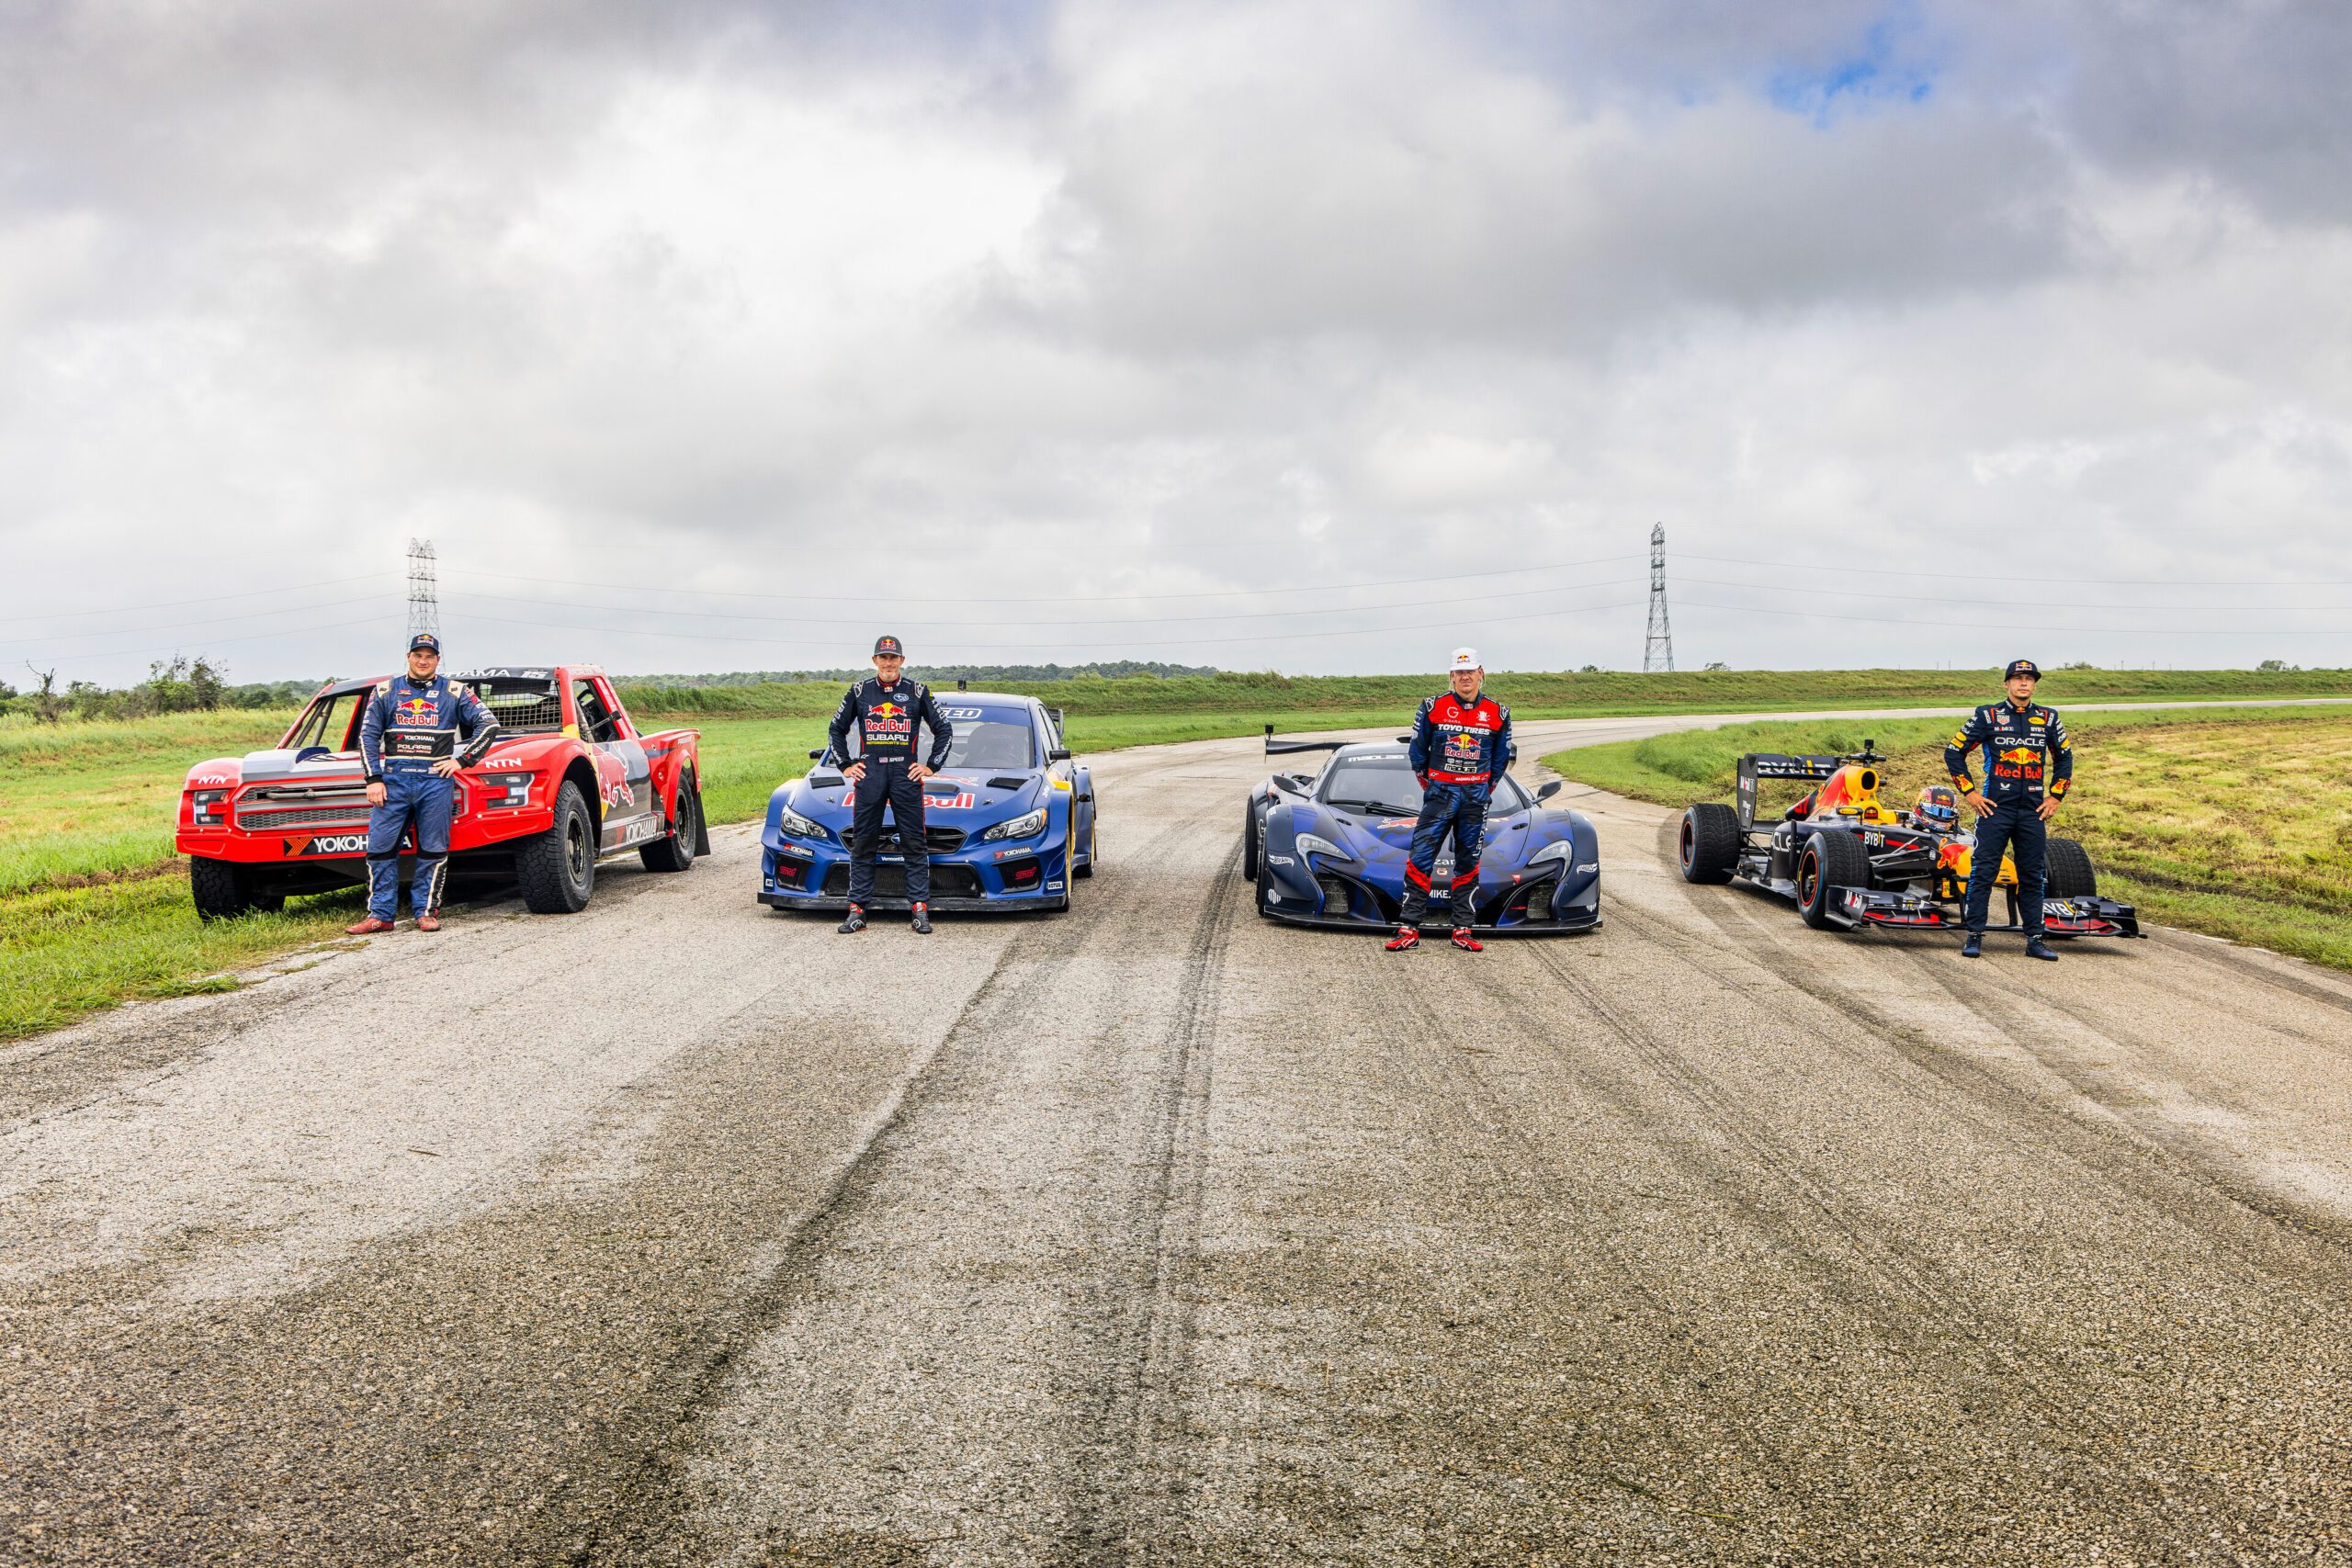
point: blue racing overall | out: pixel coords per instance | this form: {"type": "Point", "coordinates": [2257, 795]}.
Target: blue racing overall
{"type": "Point", "coordinates": [2027, 755]}
{"type": "Point", "coordinates": [409, 726]}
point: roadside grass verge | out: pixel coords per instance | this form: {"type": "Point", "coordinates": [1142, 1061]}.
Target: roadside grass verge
{"type": "Point", "coordinates": [2233, 822]}
{"type": "Point", "coordinates": [94, 905]}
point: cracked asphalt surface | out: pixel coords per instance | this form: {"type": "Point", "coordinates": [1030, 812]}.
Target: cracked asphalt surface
{"type": "Point", "coordinates": [680, 1232]}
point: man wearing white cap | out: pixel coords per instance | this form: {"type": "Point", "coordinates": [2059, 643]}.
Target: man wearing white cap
{"type": "Point", "coordinates": [1461, 746]}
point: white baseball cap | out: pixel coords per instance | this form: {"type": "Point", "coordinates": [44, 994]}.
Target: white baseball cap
{"type": "Point", "coordinates": [1465, 659]}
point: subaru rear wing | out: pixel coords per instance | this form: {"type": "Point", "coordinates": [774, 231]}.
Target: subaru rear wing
{"type": "Point", "coordinates": [1758, 765]}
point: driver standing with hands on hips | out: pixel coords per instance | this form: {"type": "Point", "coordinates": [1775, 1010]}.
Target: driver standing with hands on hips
{"type": "Point", "coordinates": [1461, 745]}
{"type": "Point", "coordinates": [885, 710]}
{"type": "Point", "coordinates": [2028, 764]}
{"type": "Point", "coordinates": [408, 744]}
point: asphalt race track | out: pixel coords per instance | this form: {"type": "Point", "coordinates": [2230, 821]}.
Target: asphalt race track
{"type": "Point", "coordinates": [681, 1232]}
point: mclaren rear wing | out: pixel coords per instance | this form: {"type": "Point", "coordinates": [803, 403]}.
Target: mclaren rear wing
{"type": "Point", "coordinates": [1282, 748]}
{"type": "Point", "coordinates": [1759, 765]}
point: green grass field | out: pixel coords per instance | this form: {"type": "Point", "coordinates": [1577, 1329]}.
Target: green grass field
{"type": "Point", "coordinates": [2237, 823]}
{"type": "Point", "coordinates": [94, 906]}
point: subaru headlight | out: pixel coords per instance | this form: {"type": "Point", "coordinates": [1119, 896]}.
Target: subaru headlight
{"type": "Point", "coordinates": [792, 825]}
{"type": "Point", "coordinates": [1557, 850]}
{"type": "Point", "coordinates": [1024, 827]}
{"type": "Point", "coordinates": [1316, 844]}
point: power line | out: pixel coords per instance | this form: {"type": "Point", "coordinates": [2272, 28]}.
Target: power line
{"type": "Point", "coordinates": [2038, 604]}
{"type": "Point", "coordinates": [1066, 598]}
{"type": "Point", "coordinates": [214, 621]}
{"type": "Point", "coordinates": [2039, 628]}
{"type": "Point", "coordinates": [1028, 621]}
{"type": "Point", "coordinates": [343, 624]}
{"type": "Point", "coordinates": [1055, 643]}
{"type": "Point", "coordinates": [208, 599]}
{"type": "Point", "coordinates": [2012, 577]}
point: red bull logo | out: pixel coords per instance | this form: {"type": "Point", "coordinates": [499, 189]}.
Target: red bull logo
{"type": "Point", "coordinates": [1462, 745]}
{"type": "Point", "coordinates": [2020, 754]}
{"type": "Point", "coordinates": [415, 709]}
{"type": "Point", "coordinates": [888, 710]}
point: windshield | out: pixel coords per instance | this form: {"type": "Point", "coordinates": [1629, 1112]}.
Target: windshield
{"type": "Point", "coordinates": [989, 737]}
{"type": "Point", "coordinates": [328, 722]}
{"type": "Point", "coordinates": [1384, 787]}
{"type": "Point", "coordinates": [522, 704]}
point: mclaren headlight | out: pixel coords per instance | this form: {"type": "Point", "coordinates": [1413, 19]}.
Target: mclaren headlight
{"type": "Point", "coordinates": [792, 825]}
{"type": "Point", "coordinates": [1316, 844]}
{"type": "Point", "coordinates": [1557, 850]}
{"type": "Point", "coordinates": [1023, 827]}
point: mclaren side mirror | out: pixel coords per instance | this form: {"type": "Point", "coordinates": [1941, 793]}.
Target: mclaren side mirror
{"type": "Point", "coordinates": [1284, 783]}
{"type": "Point", "coordinates": [1548, 791]}
{"type": "Point", "coordinates": [1057, 755]}
{"type": "Point", "coordinates": [816, 756]}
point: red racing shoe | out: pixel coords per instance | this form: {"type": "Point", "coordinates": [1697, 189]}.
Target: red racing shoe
{"type": "Point", "coordinates": [367, 927]}
{"type": "Point", "coordinates": [1466, 941]}
{"type": "Point", "coordinates": [1406, 939]}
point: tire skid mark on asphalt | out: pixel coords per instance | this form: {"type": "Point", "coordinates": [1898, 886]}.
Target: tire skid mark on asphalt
{"type": "Point", "coordinates": [1147, 1344]}
{"type": "Point", "coordinates": [1677, 1348]}
{"type": "Point", "coordinates": [2161, 1165]}
{"type": "Point", "coordinates": [1896, 1285]}
{"type": "Point", "coordinates": [635, 1467]}
{"type": "Point", "coordinates": [1129, 1480]}
{"type": "Point", "coordinates": [2127, 1165]}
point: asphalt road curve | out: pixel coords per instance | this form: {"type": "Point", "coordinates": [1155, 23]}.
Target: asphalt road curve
{"type": "Point", "coordinates": [680, 1232]}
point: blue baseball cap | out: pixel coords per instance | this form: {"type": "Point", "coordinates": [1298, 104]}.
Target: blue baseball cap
{"type": "Point", "coordinates": [425, 642]}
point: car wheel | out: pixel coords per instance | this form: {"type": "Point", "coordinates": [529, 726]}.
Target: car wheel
{"type": "Point", "coordinates": [557, 869]}
{"type": "Point", "coordinates": [1710, 842]}
{"type": "Point", "coordinates": [1830, 860]}
{"type": "Point", "coordinates": [222, 890]}
{"type": "Point", "coordinates": [1251, 828]}
{"type": "Point", "coordinates": [676, 852]}
{"type": "Point", "coordinates": [2069, 872]}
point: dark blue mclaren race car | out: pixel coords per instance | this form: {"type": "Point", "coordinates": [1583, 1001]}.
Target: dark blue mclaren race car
{"type": "Point", "coordinates": [1008, 820]}
{"type": "Point", "coordinates": [1329, 850]}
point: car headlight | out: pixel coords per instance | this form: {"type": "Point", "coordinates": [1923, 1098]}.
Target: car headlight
{"type": "Point", "coordinates": [792, 825]}
{"type": "Point", "coordinates": [210, 810]}
{"type": "Point", "coordinates": [1026, 827]}
{"type": "Point", "coordinates": [506, 789]}
{"type": "Point", "coordinates": [1557, 850]}
{"type": "Point", "coordinates": [1316, 844]}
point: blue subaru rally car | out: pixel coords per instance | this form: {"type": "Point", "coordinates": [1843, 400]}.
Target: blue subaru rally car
{"type": "Point", "coordinates": [1329, 850]}
{"type": "Point", "coordinates": [1010, 820]}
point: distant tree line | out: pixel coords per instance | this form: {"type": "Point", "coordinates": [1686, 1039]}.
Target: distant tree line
{"type": "Point", "coordinates": [184, 684]}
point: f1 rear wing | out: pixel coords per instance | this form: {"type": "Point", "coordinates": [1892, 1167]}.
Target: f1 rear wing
{"type": "Point", "coordinates": [1774, 765]}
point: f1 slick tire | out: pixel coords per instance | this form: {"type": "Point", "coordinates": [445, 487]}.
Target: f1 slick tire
{"type": "Point", "coordinates": [224, 890]}
{"type": "Point", "coordinates": [676, 852]}
{"type": "Point", "coordinates": [1829, 862]}
{"type": "Point", "coordinates": [1250, 842]}
{"type": "Point", "coordinates": [1710, 842]}
{"type": "Point", "coordinates": [2070, 874]}
{"type": "Point", "coordinates": [557, 869]}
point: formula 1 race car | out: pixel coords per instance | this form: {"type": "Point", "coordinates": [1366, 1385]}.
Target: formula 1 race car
{"type": "Point", "coordinates": [1329, 850]}
{"type": "Point", "coordinates": [569, 779]}
{"type": "Point", "coordinates": [1009, 822]}
{"type": "Point", "coordinates": [1850, 861]}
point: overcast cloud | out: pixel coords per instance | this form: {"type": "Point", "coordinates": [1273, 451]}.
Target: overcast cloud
{"type": "Point", "coordinates": [1015, 331]}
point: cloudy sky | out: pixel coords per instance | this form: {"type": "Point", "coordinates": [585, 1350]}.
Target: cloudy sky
{"type": "Point", "coordinates": [1312, 336]}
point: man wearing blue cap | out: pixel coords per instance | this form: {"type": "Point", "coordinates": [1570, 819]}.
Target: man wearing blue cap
{"type": "Point", "coordinates": [409, 744]}
{"type": "Point", "coordinates": [2028, 763]}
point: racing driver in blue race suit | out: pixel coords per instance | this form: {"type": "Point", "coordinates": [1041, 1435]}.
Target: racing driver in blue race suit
{"type": "Point", "coordinates": [1461, 745]}
{"type": "Point", "coordinates": [409, 744]}
{"type": "Point", "coordinates": [885, 710]}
